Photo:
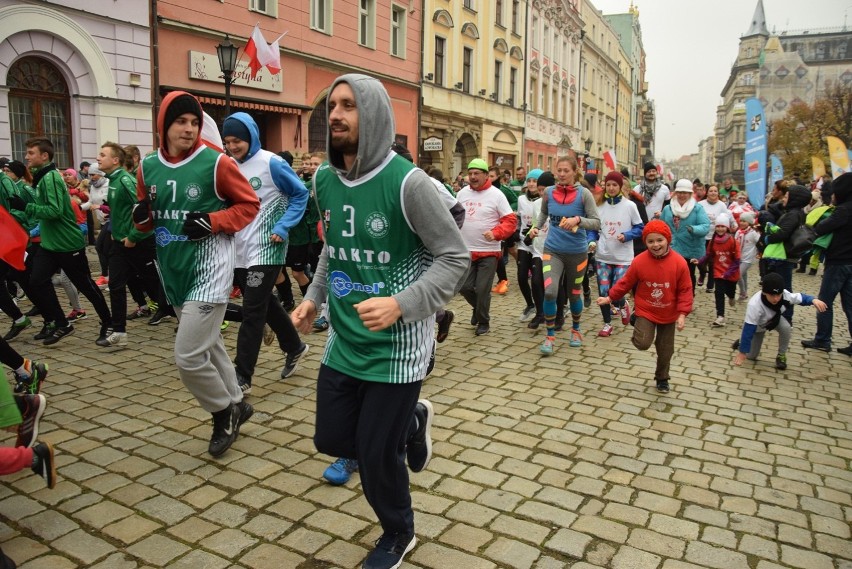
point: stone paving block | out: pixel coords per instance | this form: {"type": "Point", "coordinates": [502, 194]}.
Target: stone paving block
{"type": "Point", "coordinates": [796, 557]}
{"type": "Point", "coordinates": [627, 514]}
{"type": "Point", "coordinates": [157, 550]}
{"type": "Point", "coordinates": [116, 561]}
{"type": "Point", "coordinates": [229, 543]}
{"type": "Point", "coordinates": [83, 546]}
{"type": "Point", "coordinates": [717, 557]}
{"type": "Point", "coordinates": [512, 553]}
{"type": "Point", "coordinates": [753, 545]}
{"type": "Point", "coordinates": [268, 556]}
{"type": "Point", "coordinates": [657, 503]}
{"type": "Point", "coordinates": [200, 560]}
{"type": "Point", "coordinates": [102, 514]}
{"type": "Point", "coordinates": [656, 542]}
{"type": "Point", "coordinates": [719, 536]}
{"type": "Point", "coordinates": [342, 554]}
{"type": "Point", "coordinates": [632, 558]}
{"type": "Point", "coordinates": [305, 541]}
{"type": "Point", "coordinates": [569, 542]}
{"type": "Point", "coordinates": [131, 529]}
{"type": "Point", "coordinates": [51, 562]}
{"type": "Point", "coordinates": [795, 535]}
{"type": "Point", "coordinates": [49, 524]}
{"type": "Point", "coordinates": [22, 549]}
{"type": "Point", "coordinates": [465, 537]}
{"type": "Point", "coordinates": [604, 529]}
{"type": "Point", "coordinates": [165, 509]}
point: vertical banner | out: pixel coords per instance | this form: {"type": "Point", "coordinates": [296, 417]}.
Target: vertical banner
{"type": "Point", "coordinates": [818, 167]}
{"type": "Point", "coordinates": [839, 156]}
{"type": "Point", "coordinates": [777, 170]}
{"type": "Point", "coordinates": [755, 153]}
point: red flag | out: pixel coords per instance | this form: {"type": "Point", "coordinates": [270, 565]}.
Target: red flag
{"type": "Point", "coordinates": [609, 159]}
{"type": "Point", "coordinates": [13, 246]}
{"type": "Point", "coordinates": [262, 54]}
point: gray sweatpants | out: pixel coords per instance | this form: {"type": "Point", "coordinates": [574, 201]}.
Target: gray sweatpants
{"type": "Point", "coordinates": [784, 332]}
{"type": "Point", "coordinates": [204, 366]}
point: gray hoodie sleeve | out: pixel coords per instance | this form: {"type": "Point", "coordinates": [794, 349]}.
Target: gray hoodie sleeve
{"type": "Point", "coordinates": [592, 219]}
{"type": "Point", "coordinates": [318, 291]}
{"type": "Point", "coordinates": [431, 220]}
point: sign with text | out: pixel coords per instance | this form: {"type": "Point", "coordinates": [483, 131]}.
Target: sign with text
{"type": "Point", "coordinates": [205, 66]}
{"type": "Point", "coordinates": [433, 143]}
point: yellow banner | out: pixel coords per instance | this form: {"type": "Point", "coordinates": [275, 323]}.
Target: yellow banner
{"type": "Point", "coordinates": [839, 156]}
{"type": "Point", "coordinates": [818, 167]}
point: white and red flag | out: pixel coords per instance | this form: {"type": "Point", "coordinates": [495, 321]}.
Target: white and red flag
{"type": "Point", "coordinates": [610, 159]}
{"type": "Point", "coordinates": [262, 54]}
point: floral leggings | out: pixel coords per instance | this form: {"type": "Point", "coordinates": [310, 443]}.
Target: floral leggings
{"type": "Point", "coordinates": [608, 275]}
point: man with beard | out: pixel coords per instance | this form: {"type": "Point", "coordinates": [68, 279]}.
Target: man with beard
{"type": "Point", "coordinates": [655, 194]}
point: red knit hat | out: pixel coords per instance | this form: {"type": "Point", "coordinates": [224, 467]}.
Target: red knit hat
{"type": "Point", "coordinates": [657, 226]}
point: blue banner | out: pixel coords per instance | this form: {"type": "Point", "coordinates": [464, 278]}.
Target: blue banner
{"type": "Point", "coordinates": [777, 172]}
{"type": "Point", "coordinates": [754, 165]}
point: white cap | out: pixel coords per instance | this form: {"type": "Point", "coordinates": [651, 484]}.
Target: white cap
{"type": "Point", "coordinates": [683, 185]}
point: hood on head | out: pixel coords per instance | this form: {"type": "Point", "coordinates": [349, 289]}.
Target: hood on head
{"type": "Point", "coordinates": [375, 125]}
{"type": "Point", "coordinates": [161, 119]}
{"type": "Point", "coordinates": [798, 197]}
{"type": "Point", "coordinates": [254, 131]}
{"type": "Point", "coordinates": [841, 188]}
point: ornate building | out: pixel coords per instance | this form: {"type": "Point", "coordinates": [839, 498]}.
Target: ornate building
{"type": "Point", "coordinates": [473, 83]}
{"type": "Point", "coordinates": [553, 113]}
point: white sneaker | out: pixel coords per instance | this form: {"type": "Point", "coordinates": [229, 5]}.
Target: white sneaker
{"type": "Point", "coordinates": [117, 339]}
{"type": "Point", "coordinates": [719, 322]}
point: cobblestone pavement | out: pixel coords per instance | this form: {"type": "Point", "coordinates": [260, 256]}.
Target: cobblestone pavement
{"type": "Point", "coordinates": [569, 461]}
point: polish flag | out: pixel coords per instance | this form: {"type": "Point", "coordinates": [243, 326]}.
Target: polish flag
{"type": "Point", "coordinates": [210, 133]}
{"type": "Point", "coordinates": [262, 54]}
{"type": "Point", "coordinates": [610, 159]}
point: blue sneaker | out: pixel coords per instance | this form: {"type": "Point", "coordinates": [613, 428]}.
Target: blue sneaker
{"type": "Point", "coordinates": [321, 324]}
{"type": "Point", "coordinates": [340, 471]}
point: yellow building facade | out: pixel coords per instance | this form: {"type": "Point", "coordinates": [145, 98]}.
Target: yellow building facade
{"type": "Point", "coordinates": [473, 84]}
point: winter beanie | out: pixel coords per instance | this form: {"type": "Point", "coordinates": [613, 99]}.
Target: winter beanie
{"type": "Point", "coordinates": [657, 226]}
{"type": "Point", "coordinates": [237, 128]}
{"type": "Point", "coordinates": [772, 283]}
{"type": "Point", "coordinates": [614, 177]}
{"type": "Point", "coordinates": [546, 179]}
{"type": "Point", "coordinates": [182, 104]}
{"type": "Point", "coordinates": [648, 166]}
{"type": "Point", "coordinates": [478, 164]}
{"type": "Point", "coordinates": [535, 173]}
{"type": "Point", "coordinates": [17, 168]}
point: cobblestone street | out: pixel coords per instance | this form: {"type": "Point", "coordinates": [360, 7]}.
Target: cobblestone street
{"type": "Point", "coordinates": [568, 461]}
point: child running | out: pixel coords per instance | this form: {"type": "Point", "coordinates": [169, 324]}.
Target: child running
{"type": "Point", "coordinates": [747, 238]}
{"type": "Point", "coordinates": [764, 313]}
{"type": "Point", "coordinates": [662, 297]}
{"type": "Point", "coordinates": [620, 225]}
{"type": "Point", "coordinates": [723, 252]}
{"type": "Point", "coordinates": [571, 211]}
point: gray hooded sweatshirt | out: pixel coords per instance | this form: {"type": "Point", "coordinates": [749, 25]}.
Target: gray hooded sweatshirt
{"type": "Point", "coordinates": [426, 213]}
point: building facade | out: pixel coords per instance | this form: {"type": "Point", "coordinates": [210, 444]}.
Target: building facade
{"type": "Point", "coordinates": [376, 37]}
{"type": "Point", "coordinates": [473, 89]}
{"type": "Point", "coordinates": [77, 77]}
{"type": "Point", "coordinates": [552, 71]}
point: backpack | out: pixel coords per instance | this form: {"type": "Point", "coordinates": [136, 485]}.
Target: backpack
{"type": "Point", "coordinates": [800, 242]}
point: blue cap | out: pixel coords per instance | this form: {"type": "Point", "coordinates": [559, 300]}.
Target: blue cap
{"type": "Point", "coordinates": [534, 174]}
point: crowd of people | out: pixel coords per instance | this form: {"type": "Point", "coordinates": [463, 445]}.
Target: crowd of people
{"type": "Point", "coordinates": [377, 247]}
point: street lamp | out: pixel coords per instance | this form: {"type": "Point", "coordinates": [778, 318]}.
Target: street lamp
{"type": "Point", "coordinates": [588, 144]}
{"type": "Point", "coordinates": [227, 53]}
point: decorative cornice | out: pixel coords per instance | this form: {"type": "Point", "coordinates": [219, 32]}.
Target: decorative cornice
{"type": "Point", "coordinates": [470, 30]}
{"type": "Point", "coordinates": [443, 18]}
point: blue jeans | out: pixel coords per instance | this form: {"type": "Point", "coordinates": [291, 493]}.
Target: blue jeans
{"type": "Point", "coordinates": [837, 279]}
{"type": "Point", "coordinates": [785, 269]}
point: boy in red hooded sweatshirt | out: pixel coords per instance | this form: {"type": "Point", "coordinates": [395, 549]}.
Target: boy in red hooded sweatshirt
{"type": "Point", "coordinates": [662, 297]}
{"type": "Point", "coordinates": [195, 199]}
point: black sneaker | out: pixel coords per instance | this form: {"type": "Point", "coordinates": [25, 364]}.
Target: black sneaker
{"type": "Point", "coordinates": [814, 345]}
{"type": "Point", "coordinates": [141, 312]}
{"type": "Point", "coordinates": [389, 551]}
{"type": "Point", "coordinates": [245, 412]}
{"type": "Point", "coordinates": [34, 311]}
{"type": "Point", "coordinates": [419, 448]}
{"type": "Point", "coordinates": [31, 385]}
{"type": "Point", "coordinates": [444, 326]}
{"type": "Point", "coordinates": [847, 351]}
{"type": "Point", "coordinates": [159, 316]}
{"type": "Point", "coordinates": [587, 298]}
{"type": "Point", "coordinates": [17, 329]}
{"type": "Point", "coordinates": [43, 463]}
{"type": "Point", "coordinates": [292, 361]}
{"type": "Point", "coordinates": [57, 334]}
{"type": "Point", "coordinates": [473, 319]}
{"type": "Point", "coordinates": [225, 429]}
{"type": "Point", "coordinates": [536, 321]}
{"type": "Point", "coordinates": [32, 408]}
{"type": "Point", "coordinates": [663, 385]}
{"type": "Point", "coordinates": [781, 361]}
{"type": "Point", "coordinates": [245, 384]}
{"type": "Point", "coordinates": [482, 329]}
{"type": "Point", "coordinates": [45, 331]}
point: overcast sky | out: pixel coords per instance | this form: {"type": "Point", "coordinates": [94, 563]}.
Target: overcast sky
{"type": "Point", "coordinates": [690, 46]}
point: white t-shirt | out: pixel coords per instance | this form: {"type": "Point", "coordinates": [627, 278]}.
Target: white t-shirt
{"type": "Point", "coordinates": [615, 220]}
{"type": "Point", "coordinates": [748, 245]}
{"type": "Point", "coordinates": [525, 213]}
{"type": "Point", "coordinates": [713, 210]}
{"type": "Point", "coordinates": [658, 200]}
{"type": "Point", "coordinates": [538, 242]}
{"type": "Point", "coordinates": [483, 211]}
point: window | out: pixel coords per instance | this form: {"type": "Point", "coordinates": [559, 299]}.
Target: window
{"type": "Point", "coordinates": [529, 160]}
{"type": "Point", "coordinates": [545, 106]}
{"type": "Point", "coordinates": [533, 33]}
{"type": "Point", "coordinates": [321, 15]}
{"type": "Point", "coordinates": [555, 101]}
{"type": "Point", "coordinates": [318, 128]}
{"type": "Point", "coordinates": [533, 94]}
{"type": "Point", "coordinates": [469, 4]}
{"type": "Point", "coordinates": [516, 16]}
{"type": "Point", "coordinates": [546, 37]}
{"type": "Point", "coordinates": [268, 7]}
{"type": "Point", "coordinates": [513, 82]}
{"type": "Point", "coordinates": [397, 39]}
{"type": "Point", "coordinates": [367, 23]}
{"type": "Point", "coordinates": [498, 80]}
{"type": "Point", "coordinates": [467, 64]}
{"type": "Point", "coordinates": [498, 11]}
{"type": "Point", "coordinates": [39, 105]}
{"type": "Point", "coordinates": [440, 48]}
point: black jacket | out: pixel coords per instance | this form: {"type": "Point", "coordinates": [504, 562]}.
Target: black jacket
{"type": "Point", "coordinates": [839, 223]}
{"type": "Point", "coordinates": [794, 214]}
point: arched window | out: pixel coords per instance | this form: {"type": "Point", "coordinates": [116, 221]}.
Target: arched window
{"type": "Point", "coordinates": [39, 105]}
{"type": "Point", "coordinates": [318, 128]}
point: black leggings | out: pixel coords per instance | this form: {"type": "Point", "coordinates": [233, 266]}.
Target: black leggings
{"type": "Point", "coordinates": [9, 356]}
{"type": "Point", "coordinates": [525, 265]}
{"type": "Point", "coordinates": [723, 288]}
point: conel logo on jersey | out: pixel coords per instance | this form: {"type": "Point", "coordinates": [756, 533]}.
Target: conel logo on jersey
{"type": "Point", "coordinates": [163, 236]}
{"type": "Point", "coordinates": [341, 285]}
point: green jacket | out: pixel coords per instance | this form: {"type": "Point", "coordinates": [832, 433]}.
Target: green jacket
{"type": "Point", "coordinates": [53, 212]}
{"type": "Point", "coordinates": [511, 195]}
{"type": "Point", "coordinates": [121, 199]}
{"type": "Point", "coordinates": [305, 232]}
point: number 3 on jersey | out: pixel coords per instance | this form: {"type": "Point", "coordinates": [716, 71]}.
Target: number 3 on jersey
{"type": "Point", "coordinates": [349, 230]}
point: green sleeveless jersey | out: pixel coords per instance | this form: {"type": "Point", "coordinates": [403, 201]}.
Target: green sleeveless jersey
{"type": "Point", "coordinates": [202, 270]}
{"type": "Point", "coordinates": [372, 251]}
